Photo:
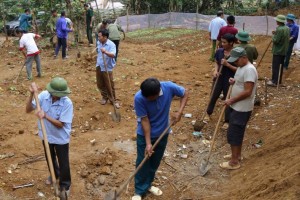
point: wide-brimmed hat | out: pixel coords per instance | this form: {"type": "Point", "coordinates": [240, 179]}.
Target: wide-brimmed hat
{"type": "Point", "coordinates": [280, 18]}
{"type": "Point", "coordinates": [243, 36]}
{"type": "Point", "coordinates": [58, 87]}
{"type": "Point", "coordinates": [291, 17]}
{"type": "Point", "coordinates": [236, 53]}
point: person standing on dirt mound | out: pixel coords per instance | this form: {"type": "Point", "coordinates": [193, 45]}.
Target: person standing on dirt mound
{"type": "Point", "coordinates": [223, 71]}
{"type": "Point", "coordinates": [104, 68]}
{"type": "Point", "coordinates": [115, 36]}
{"type": "Point", "coordinates": [241, 103]}
{"type": "Point", "coordinates": [280, 46]}
{"type": "Point", "coordinates": [152, 106]}
{"type": "Point", "coordinates": [294, 30]}
{"type": "Point", "coordinates": [227, 29]}
{"type": "Point", "coordinates": [57, 113]}
{"type": "Point", "coordinates": [32, 52]}
{"type": "Point", "coordinates": [251, 50]}
{"type": "Point", "coordinates": [62, 31]}
{"type": "Point", "coordinates": [214, 27]}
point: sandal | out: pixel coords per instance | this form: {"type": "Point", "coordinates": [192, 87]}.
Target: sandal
{"type": "Point", "coordinates": [155, 191]}
{"type": "Point", "coordinates": [228, 157]}
{"type": "Point", "coordinates": [136, 197]}
{"type": "Point", "coordinates": [226, 165]}
{"type": "Point", "coordinates": [225, 126]}
{"type": "Point", "coordinates": [48, 181]}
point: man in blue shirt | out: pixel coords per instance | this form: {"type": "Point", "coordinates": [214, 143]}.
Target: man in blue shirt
{"type": "Point", "coordinates": [152, 106]}
{"type": "Point", "coordinates": [294, 29]}
{"type": "Point", "coordinates": [62, 31]}
{"type": "Point", "coordinates": [24, 21]}
{"type": "Point", "coordinates": [107, 49]}
{"type": "Point", "coordinates": [57, 113]}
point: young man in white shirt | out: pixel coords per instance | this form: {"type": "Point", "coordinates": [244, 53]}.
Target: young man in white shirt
{"type": "Point", "coordinates": [30, 51]}
{"type": "Point", "coordinates": [214, 27]}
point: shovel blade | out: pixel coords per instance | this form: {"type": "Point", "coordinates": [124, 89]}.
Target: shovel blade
{"type": "Point", "coordinates": [198, 126]}
{"type": "Point", "coordinates": [111, 195]}
{"type": "Point", "coordinates": [116, 117]}
{"type": "Point", "coordinates": [204, 167]}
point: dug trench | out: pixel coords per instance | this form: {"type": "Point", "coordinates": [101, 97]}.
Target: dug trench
{"type": "Point", "coordinates": [102, 152]}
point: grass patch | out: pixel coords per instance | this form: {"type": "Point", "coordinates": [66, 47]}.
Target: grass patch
{"type": "Point", "coordinates": [149, 35]}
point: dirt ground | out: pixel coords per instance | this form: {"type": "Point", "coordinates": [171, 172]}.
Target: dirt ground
{"type": "Point", "coordinates": [269, 171]}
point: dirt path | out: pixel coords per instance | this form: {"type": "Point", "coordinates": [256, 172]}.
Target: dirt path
{"type": "Point", "coordinates": [269, 172]}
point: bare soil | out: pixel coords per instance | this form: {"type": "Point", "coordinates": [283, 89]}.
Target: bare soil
{"type": "Point", "coordinates": [268, 172]}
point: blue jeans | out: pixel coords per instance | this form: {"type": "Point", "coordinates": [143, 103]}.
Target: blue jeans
{"type": "Point", "coordinates": [144, 178]}
{"type": "Point", "coordinates": [288, 55]}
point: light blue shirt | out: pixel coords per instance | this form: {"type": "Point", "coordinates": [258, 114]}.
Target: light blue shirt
{"type": "Point", "coordinates": [61, 110]}
{"type": "Point", "coordinates": [110, 62]}
{"type": "Point", "coordinates": [158, 110]}
{"type": "Point", "coordinates": [214, 27]}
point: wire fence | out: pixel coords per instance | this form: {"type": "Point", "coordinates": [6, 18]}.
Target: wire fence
{"type": "Point", "coordinates": [257, 25]}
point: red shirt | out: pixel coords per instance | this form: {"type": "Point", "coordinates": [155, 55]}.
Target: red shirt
{"type": "Point", "coordinates": [227, 29]}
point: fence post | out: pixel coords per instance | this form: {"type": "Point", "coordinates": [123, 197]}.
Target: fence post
{"type": "Point", "coordinates": [197, 9]}
{"type": "Point", "coordinates": [267, 21]}
{"type": "Point", "coordinates": [127, 17]}
{"type": "Point", "coordinates": [170, 19]}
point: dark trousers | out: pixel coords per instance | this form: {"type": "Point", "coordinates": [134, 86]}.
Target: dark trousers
{"type": "Point", "coordinates": [61, 42]}
{"type": "Point", "coordinates": [144, 177]}
{"type": "Point", "coordinates": [89, 33]}
{"type": "Point", "coordinates": [221, 86]}
{"type": "Point", "coordinates": [60, 159]}
{"type": "Point", "coordinates": [103, 84]}
{"type": "Point", "coordinates": [276, 62]}
{"type": "Point", "coordinates": [117, 42]}
{"type": "Point", "coordinates": [288, 55]}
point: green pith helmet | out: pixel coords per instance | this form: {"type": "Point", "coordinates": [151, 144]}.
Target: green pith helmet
{"type": "Point", "coordinates": [243, 36]}
{"type": "Point", "coordinates": [58, 87]}
{"type": "Point", "coordinates": [280, 18]}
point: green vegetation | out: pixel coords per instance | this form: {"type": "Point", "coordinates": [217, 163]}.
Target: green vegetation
{"type": "Point", "coordinates": [158, 34]}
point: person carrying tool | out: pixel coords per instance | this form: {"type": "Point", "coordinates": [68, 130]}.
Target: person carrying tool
{"type": "Point", "coordinates": [108, 49]}
{"type": "Point", "coordinates": [294, 30]}
{"type": "Point", "coordinates": [24, 21]}
{"type": "Point", "coordinates": [62, 34]}
{"type": "Point", "coordinates": [251, 50]}
{"type": "Point", "coordinates": [152, 106]}
{"type": "Point", "coordinates": [221, 75]}
{"type": "Point", "coordinates": [241, 103]}
{"type": "Point", "coordinates": [280, 40]}
{"type": "Point", "coordinates": [57, 113]}
{"type": "Point", "coordinates": [32, 52]}
{"type": "Point", "coordinates": [115, 36]}
{"type": "Point", "coordinates": [89, 17]}
{"type": "Point", "coordinates": [227, 29]}
{"type": "Point", "coordinates": [214, 27]}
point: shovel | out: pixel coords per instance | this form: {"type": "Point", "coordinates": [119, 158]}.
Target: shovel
{"type": "Point", "coordinates": [113, 195]}
{"type": "Point", "coordinates": [15, 81]}
{"type": "Point", "coordinates": [55, 186]}
{"type": "Point", "coordinates": [204, 164]}
{"type": "Point", "coordinates": [116, 116]}
{"type": "Point", "coordinates": [199, 124]}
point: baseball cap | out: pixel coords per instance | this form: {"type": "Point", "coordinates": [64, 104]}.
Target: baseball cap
{"type": "Point", "coordinates": [236, 53]}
